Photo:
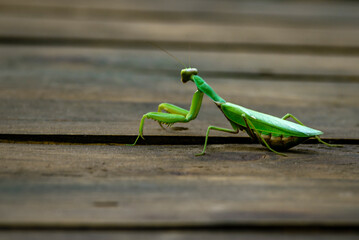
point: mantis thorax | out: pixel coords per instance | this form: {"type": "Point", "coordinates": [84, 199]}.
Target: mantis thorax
{"type": "Point", "coordinates": [190, 74]}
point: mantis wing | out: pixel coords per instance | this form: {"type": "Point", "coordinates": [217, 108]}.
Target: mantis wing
{"type": "Point", "coordinates": [265, 123]}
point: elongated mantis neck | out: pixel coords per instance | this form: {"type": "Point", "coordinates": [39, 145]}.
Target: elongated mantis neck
{"type": "Point", "coordinates": [205, 88]}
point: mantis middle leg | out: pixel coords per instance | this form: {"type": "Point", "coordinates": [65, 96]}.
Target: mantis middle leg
{"type": "Point", "coordinates": [288, 115]}
{"type": "Point", "coordinates": [252, 128]}
{"type": "Point", "coordinates": [234, 130]}
{"type": "Point", "coordinates": [175, 114]}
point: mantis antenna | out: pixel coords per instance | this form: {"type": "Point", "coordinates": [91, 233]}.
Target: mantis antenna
{"type": "Point", "coordinates": [169, 54]}
{"type": "Point", "coordinates": [189, 55]}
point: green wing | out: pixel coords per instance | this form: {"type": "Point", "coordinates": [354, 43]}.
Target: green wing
{"type": "Point", "coordinates": [266, 123]}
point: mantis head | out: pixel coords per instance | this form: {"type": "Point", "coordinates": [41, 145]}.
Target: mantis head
{"type": "Point", "coordinates": [186, 74]}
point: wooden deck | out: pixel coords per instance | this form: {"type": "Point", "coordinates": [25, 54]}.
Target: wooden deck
{"type": "Point", "coordinates": [77, 76]}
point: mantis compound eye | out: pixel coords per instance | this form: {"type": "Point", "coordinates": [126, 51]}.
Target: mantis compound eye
{"type": "Point", "coordinates": [187, 73]}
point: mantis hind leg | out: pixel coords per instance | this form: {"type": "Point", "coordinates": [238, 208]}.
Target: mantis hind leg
{"type": "Point", "coordinates": [252, 128]}
{"type": "Point", "coordinates": [288, 115]}
{"type": "Point", "coordinates": [234, 130]}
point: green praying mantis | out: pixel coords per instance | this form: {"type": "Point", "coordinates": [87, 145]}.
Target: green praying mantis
{"type": "Point", "coordinates": [276, 134]}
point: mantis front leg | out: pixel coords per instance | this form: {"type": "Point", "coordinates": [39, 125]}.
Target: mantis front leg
{"type": "Point", "coordinates": [175, 114]}
{"type": "Point", "coordinates": [173, 109]}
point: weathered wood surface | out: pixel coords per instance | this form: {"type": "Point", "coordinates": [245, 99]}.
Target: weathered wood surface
{"type": "Point", "coordinates": [79, 185]}
{"type": "Point", "coordinates": [86, 67]}
{"type": "Point", "coordinates": [55, 187]}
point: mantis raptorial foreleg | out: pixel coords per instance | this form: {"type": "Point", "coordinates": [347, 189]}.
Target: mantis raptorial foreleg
{"type": "Point", "coordinates": [167, 118]}
{"type": "Point", "coordinates": [173, 109]}
{"type": "Point", "coordinates": [288, 115]}
{"type": "Point", "coordinates": [234, 130]}
{"type": "Point", "coordinates": [251, 127]}
{"type": "Point", "coordinates": [170, 108]}
{"type": "Point", "coordinates": [175, 114]}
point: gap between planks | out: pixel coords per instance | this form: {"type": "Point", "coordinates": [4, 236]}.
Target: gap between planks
{"type": "Point", "coordinates": [64, 139]}
{"type": "Point", "coordinates": [267, 227]}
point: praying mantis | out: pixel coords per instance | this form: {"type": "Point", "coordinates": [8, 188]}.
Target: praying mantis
{"type": "Point", "coordinates": [276, 134]}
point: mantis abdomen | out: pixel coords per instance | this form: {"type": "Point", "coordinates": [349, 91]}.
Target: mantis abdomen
{"type": "Point", "coordinates": [272, 132]}
{"type": "Point", "coordinates": [280, 143]}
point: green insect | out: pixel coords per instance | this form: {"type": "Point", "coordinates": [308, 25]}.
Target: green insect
{"type": "Point", "coordinates": [277, 134]}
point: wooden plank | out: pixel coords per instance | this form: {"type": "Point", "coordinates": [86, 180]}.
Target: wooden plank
{"type": "Point", "coordinates": [244, 14]}
{"type": "Point", "coordinates": [71, 185]}
{"type": "Point", "coordinates": [60, 116]}
{"type": "Point", "coordinates": [82, 91]}
{"type": "Point", "coordinates": [131, 31]}
{"type": "Point", "coordinates": [189, 22]}
{"type": "Point", "coordinates": [76, 117]}
{"type": "Point", "coordinates": [318, 29]}
{"type": "Point", "coordinates": [254, 65]}
{"type": "Point", "coordinates": [257, 8]}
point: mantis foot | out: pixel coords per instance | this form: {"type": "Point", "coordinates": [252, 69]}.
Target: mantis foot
{"type": "Point", "coordinates": [327, 144]}
{"type": "Point", "coordinates": [133, 144]}
{"type": "Point", "coordinates": [200, 154]}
